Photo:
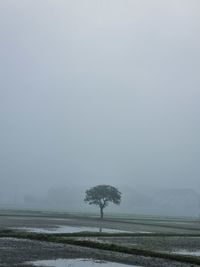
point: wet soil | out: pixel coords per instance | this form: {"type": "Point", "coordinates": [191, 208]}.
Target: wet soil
{"type": "Point", "coordinates": [15, 252]}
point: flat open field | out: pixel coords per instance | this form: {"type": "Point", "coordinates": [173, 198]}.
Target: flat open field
{"type": "Point", "coordinates": [133, 240]}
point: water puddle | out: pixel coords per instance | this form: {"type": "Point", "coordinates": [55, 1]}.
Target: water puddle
{"type": "Point", "coordinates": [187, 253]}
{"type": "Point", "coordinates": [68, 229]}
{"type": "Point", "coordinates": [77, 263]}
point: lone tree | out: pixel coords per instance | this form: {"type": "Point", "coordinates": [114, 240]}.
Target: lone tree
{"type": "Point", "coordinates": [101, 195]}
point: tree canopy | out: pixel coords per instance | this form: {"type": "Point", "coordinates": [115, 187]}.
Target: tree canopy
{"type": "Point", "coordinates": [102, 195]}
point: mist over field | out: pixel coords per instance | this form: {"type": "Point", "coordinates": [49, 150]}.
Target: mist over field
{"type": "Point", "coordinates": [100, 92]}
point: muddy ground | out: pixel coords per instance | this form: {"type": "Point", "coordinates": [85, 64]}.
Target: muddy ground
{"type": "Point", "coordinates": [14, 252]}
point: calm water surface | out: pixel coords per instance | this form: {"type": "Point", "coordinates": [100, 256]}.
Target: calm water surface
{"type": "Point", "coordinates": [195, 253]}
{"type": "Point", "coordinates": [69, 229]}
{"type": "Point", "coordinates": [78, 263]}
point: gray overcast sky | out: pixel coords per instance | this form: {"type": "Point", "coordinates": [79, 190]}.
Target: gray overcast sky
{"type": "Point", "coordinates": [99, 92]}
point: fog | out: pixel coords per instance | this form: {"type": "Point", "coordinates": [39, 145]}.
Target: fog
{"type": "Point", "coordinates": [99, 92]}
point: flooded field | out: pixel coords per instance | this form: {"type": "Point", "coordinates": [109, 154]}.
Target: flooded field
{"type": "Point", "coordinates": [77, 263]}
{"type": "Point", "coordinates": [61, 223]}
{"type": "Point", "coordinates": [26, 253]}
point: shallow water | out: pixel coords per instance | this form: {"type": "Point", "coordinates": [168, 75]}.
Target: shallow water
{"type": "Point", "coordinates": [188, 253]}
{"type": "Point", "coordinates": [68, 229]}
{"type": "Point", "coordinates": [78, 263]}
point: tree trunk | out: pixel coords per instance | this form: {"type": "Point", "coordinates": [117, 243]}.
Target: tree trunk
{"type": "Point", "coordinates": [101, 211]}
